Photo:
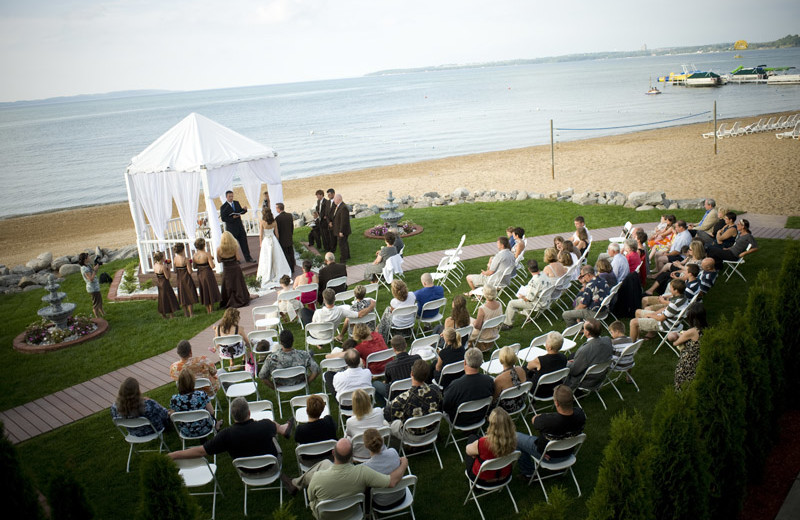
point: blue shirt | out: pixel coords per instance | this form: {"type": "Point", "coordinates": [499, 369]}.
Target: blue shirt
{"type": "Point", "coordinates": [428, 294]}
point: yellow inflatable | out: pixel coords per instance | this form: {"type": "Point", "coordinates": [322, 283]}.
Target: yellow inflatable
{"type": "Point", "coordinates": [740, 45]}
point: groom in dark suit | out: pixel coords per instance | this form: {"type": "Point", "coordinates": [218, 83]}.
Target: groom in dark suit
{"type": "Point", "coordinates": [285, 224]}
{"type": "Point", "coordinates": [231, 214]}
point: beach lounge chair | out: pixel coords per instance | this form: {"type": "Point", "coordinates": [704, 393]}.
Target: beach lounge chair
{"type": "Point", "coordinates": [720, 131]}
{"type": "Point", "coordinates": [769, 124]}
{"type": "Point", "coordinates": [793, 133]}
{"type": "Point", "coordinates": [735, 131]}
{"type": "Point", "coordinates": [754, 127]}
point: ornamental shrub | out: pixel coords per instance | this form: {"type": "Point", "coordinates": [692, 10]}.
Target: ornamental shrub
{"type": "Point", "coordinates": [68, 498]}
{"type": "Point", "coordinates": [284, 512]}
{"type": "Point", "coordinates": [720, 407]}
{"type": "Point", "coordinates": [681, 478]}
{"type": "Point", "coordinates": [19, 498]}
{"type": "Point", "coordinates": [556, 509]}
{"type": "Point", "coordinates": [788, 310]}
{"type": "Point", "coordinates": [624, 481]}
{"type": "Point", "coordinates": [162, 495]}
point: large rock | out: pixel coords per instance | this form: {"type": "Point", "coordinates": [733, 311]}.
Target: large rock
{"type": "Point", "coordinates": [569, 192]}
{"type": "Point", "coordinates": [123, 253]}
{"type": "Point", "coordinates": [645, 207]}
{"type": "Point", "coordinates": [40, 262]}
{"type": "Point", "coordinates": [536, 196]}
{"type": "Point", "coordinates": [460, 193]}
{"type": "Point", "coordinates": [26, 281]}
{"type": "Point", "coordinates": [691, 203]}
{"type": "Point", "coordinates": [22, 269]}
{"type": "Point", "coordinates": [422, 204]}
{"type": "Point", "coordinates": [34, 287]}
{"type": "Point", "coordinates": [651, 198]}
{"type": "Point", "coordinates": [585, 199]}
{"type": "Point", "coordinates": [56, 264]}
{"type": "Point", "coordinates": [10, 279]}
{"type": "Point", "coordinates": [68, 269]}
{"type": "Point", "coordinates": [432, 195]}
{"type": "Point", "coordinates": [523, 195]}
{"type": "Point", "coordinates": [366, 213]}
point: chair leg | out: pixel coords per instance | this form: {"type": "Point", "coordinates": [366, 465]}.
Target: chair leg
{"type": "Point", "coordinates": [575, 480]}
{"type": "Point", "coordinates": [245, 500]}
{"type": "Point", "coordinates": [514, 502]}
{"type": "Point", "coordinates": [130, 454]}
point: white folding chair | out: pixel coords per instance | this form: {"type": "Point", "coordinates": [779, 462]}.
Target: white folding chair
{"type": "Point", "coordinates": [393, 268]}
{"type": "Point", "coordinates": [398, 387]}
{"type": "Point", "coordinates": [260, 410]}
{"type": "Point", "coordinates": [404, 312]}
{"type": "Point", "coordinates": [541, 305]}
{"type": "Point", "coordinates": [288, 296]}
{"type": "Point", "coordinates": [342, 298]}
{"type": "Point", "coordinates": [125, 425]}
{"type": "Point", "coordinates": [436, 305]}
{"type": "Point", "coordinates": [231, 339]}
{"type": "Point", "coordinates": [258, 473]}
{"type": "Point", "coordinates": [180, 419]}
{"type": "Point", "coordinates": [551, 378]}
{"type": "Point", "coordinates": [375, 358]}
{"type": "Point", "coordinates": [675, 326]}
{"type": "Point", "coordinates": [347, 508]}
{"type": "Point", "coordinates": [573, 331]}
{"type": "Point", "coordinates": [318, 334]}
{"type": "Point", "coordinates": [493, 367]}
{"type": "Point", "coordinates": [358, 442]}
{"type": "Point", "coordinates": [372, 292]}
{"type": "Point", "coordinates": [476, 406]}
{"type": "Point", "coordinates": [346, 403]}
{"type": "Point", "coordinates": [457, 367]}
{"type": "Point", "coordinates": [533, 350]}
{"type": "Point", "coordinates": [425, 347]}
{"type": "Point", "coordinates": [407, 484]}
{"type": "Point", "coordinates": [491, 323]}
{"type": "Point", "coordinates": [731, 267]}
{"type": "Point", "coordinates": [308, 288]}
{"type": "Point", "coordinates": [199, 473]}
{"type": "Point", "coordinates": [593, 370]}
{"type": "Point", "coordinates": [619, 367]}
{"type": "Point", "coordinates": [267, 317]}
{"type": "Point", "coordinates": [409, 436]}
{"type": "Point", "coordinates": [488, 488]}
{"type": "Point", "coordinates": [335, 283]}
{"type": "Point", "coordinates": [240, 384]}
{"type": "Point", "coordinates": [283, 374]}
{"type": "Point", "coordinates": [299, 412]}
{"type": "Point", "coordinates": [309, 454]}
{"type": "Point", "coordinates": [510, 394]}
{"type": "Point", "coordinates": [559, 465]}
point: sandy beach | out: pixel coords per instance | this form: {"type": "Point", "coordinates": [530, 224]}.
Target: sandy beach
{"type": "Point", "coordinates": [756, 173]}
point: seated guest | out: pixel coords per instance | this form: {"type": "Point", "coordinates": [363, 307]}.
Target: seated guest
{"type": "Point", "coordinates": [619, 263]}
{"type": "Point", "coordinates": [727, 234]}
{"type": "Point", "coordinates": [401, 298]}
{"type": "Point", "coordinates": [491, 308]}
{"type": "Point", "coordinates": [383, 460]}
{"type": "Point", "coordinates": [589, 299]}
{"type": "Point", "coordinates": [567, 421]}
{"type": "Point", "coordinates": [641, 245]}
{"type": "Point", "coordinates": [330, 271]}
{"type": "Point", "coordinates": [573, 253]}
{"type": "Point", "coordinates": [428, 293]}
{"type": "Point", "coordinates": [553, 268]}
{"type": "Point", "coordinates": [421, 399]}
{"type": "Point", "coordinates": [369, 342]}
{"type": "Point", "coordinates": [510, 235]}
{"type": "Point", "coordinates": [130, 405]}
{"type": "Point", "coordinates": [661, 236]}
{"type": "Point", "coordinates": [695, 255]}
{"type": "Point", "coordinates": [360, 302]}
{"type": "Point", "coordinates": [689, 277]}
{"type": "Point", "coordinates": [187, 400]}
{"type": "Point", "coordinates": [499, 441]}
{"type": "Point", "coordinates": [580, 223]}
{"type": "Point", "coordinates": [738, 249]}
{"type": "Point", "coordinates": [565, 258]}
{"type": "Point", "coordinates": [336, 314]}
{"type": "Point", "coordinates": [452, 352]}
{"type": "Point", "coordinates": [289, 308]}
{"type": "Point", "coordinates": [708, 237]}
{"type": "Point", "coordinates": [469, 387]}
{"type": "Point", "coordinates": [518, 245]}
{"type": "Point", "coordinates": [347, 344]}
{"type": "Point", "coordinates": [652, 321]}
{"type": "Point", "coordinates": [527, 295]}
{"type": "Point", "coordinates": [630, 250]}
{"type": "Point", "coordinates": [550, 362]}
{"type": "Point", "coordinates": [354, 377]}
{"type": "Point", "coordinates": [596, 350]}
{"type": "Point", "coordinates": [674, 253]}
{"type": "Point", "coordinates": [709, 218]}
{"type": "Point", "coordinates": [364, 416]}
{"type": "Point", "coordinates": [688, 343]}
{"type": "Point", "coordinates": [512, 376]}
{"type": "Point", "coordinates": [502, 262]}
{"type": "Point", "coordinates": [308, 276]}
{"type": "Point", "coordinates": [227, 326]}
{"type": "Point", "coordinates": [459, 315]}
{"type": "Point", "coordinates": [708, 275]}
{"type": "Point", "coordinates": [288, 357]}
{"type": "Point", "coordinates": [317, 428]}
{"type": "Point", "coordinates": [396, 370]}
{"type": "Point", "coordinates": [620, 342]}
{"type": "Point", "coordinates": [582, 240]}
{"type": "Point", "coordinates": [376, 267]}
{"type": "Point", "coordinates": [605, 272]}
{"type": "Point", "coordinates": [198, 366]}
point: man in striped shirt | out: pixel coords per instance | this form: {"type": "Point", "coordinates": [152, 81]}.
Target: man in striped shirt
{"type": "Point", "coordinates": [708, 275]}
{"type": "Point", "coordinates": [651, 322]}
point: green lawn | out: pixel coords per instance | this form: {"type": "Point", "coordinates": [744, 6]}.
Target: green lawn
{"type": "Point", "coordinates": [97, 453]}
{"type": "Point", "coordinates": [793, 222]}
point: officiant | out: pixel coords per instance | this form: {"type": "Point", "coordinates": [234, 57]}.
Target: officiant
{"type": "Point", "coordinates": [231, 214]}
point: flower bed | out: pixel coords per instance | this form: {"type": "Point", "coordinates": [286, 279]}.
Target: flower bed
{"type": "Point", "coordinates": [407, 229]}
{"type": "Point", "coordinates": [43, 336]}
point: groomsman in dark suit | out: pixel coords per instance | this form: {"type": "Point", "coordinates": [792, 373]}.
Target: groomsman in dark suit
{"type": "Point", "coordinates": [322, 207]}
{"type": "Point", "coordinates": [341, 227]}
{"type": "Point", "coordinates": [285, 224]}
{"type": "Point", "coordinates": [329, 222]}
{"type": "Point", "coordinates": [231, 214]}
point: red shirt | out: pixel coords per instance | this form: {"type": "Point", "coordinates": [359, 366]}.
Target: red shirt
{"type": "Point", "coordinates": [484, 454]}
{"type": "Point", "coordinates": [374, 344]}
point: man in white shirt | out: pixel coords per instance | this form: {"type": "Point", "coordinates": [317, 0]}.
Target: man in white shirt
{"type": "Point", "coordinates": [527, 295]}
{"type": "Point", "coordinates": [330, 313]}
{"type": "Point", "coordinates": [580, 223]}
{"type": "Point", "coordinates": [681, 239]}
{"type": "Point", "coordinates": [354, 377]}
{"type": "Point", "coordinates": [504, 259]}
{"type": "Point", "coordinates": [619, 264]}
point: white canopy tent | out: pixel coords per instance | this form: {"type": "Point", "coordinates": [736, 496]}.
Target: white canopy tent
{"type": "Point", "coordinates": [196, 153]}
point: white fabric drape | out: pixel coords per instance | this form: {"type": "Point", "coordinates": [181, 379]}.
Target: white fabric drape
{"type": "Point", "coordinates": [155, 198]}
{"type": "Point", "coordinates": [185, 189]}
{"type": "Point", "coordinates": [251, 185]}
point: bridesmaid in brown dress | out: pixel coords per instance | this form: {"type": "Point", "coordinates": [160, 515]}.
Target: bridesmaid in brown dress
{"type": "Point", "coordinates": [187, 291]}
{"type": "Point", "coordinates": [206, 279]}
{"type": "Point", "coordinates": [167, 302]}
{"type": "Point", "coordinates": [234, 289]}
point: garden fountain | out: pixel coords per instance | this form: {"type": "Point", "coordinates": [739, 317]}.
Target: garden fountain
{"type": "Point", "coordinates": [392, 217]}
{"type": "Point", "coordinates": [56, 312]}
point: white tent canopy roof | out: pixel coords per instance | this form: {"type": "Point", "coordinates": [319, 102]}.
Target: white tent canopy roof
{"type": "Point", "coordinates": [194, 143]}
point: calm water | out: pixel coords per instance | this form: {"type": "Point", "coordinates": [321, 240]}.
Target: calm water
{"type": "Point", "coordinates": [71, 154]}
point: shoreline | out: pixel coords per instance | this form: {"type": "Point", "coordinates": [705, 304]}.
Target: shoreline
{"type": "Point", "coordinates": [755, 173]}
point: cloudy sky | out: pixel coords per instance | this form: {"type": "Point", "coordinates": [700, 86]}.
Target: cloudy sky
{"type": "Point", "coordinates": [66, 47]}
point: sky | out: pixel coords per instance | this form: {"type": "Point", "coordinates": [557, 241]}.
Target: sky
{"type": "Point", "coordinates": [54, 48]}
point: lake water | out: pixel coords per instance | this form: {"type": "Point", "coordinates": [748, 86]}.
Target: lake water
{"type": "Point", "coordinates": [62, 155]}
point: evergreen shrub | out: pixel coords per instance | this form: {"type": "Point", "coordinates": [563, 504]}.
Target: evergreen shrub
{"type": "Point", "coordinates": [788, 310]}
{"type": "Point", "coordinates": [162, 494]}
{"type": "Point", "coordinates": [68, 499]}
{"type": "Point", "coordinates": [19, 497]}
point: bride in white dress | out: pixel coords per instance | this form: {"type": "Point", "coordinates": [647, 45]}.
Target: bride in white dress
{"type": "Point", "coordinates": [271, 261]}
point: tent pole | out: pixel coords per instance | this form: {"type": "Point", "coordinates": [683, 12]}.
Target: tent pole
{"type": "Point", "coordinates": [132, 203]}
{"type": "Point", "coordinates": [211, 211]}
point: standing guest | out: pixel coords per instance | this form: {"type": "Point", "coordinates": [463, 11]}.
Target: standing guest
{"type": "Point", "coordinates": [364, 417]}
{"type": "Point", "coordinates": [341, 227]}
{"type": "Point", "coordinates": [567, 421]}
{"type": "Point", "coordinates": [452, 352]}
{"type": "Point", "coordinates": [499, 441]}
{"type": "Point", "coordinates": [285, 223]}
{"type": "Point", "coordinates": [738, 249]}
{"type": "Point", "coordinates": [502, 262]}
{"type": "Point", "coordinates": [187, 290]}
{"type": "Point", "coordinates": [550, 362]}
{"type": "Point", "coordinates": [596, 350]}
{"type": "Point", "coordinates": [396, 369]}
{"type": "Point", "coordinates": [688, 342]}
{"type": "Point", "coordinates": [372, 271]}
{"type": "Point", "coordinates": [321, 210]}
{"type": "Point", "coordinates": [619, 263]}
{"type": "Point", "coordinates": [589, 298]}
{"type": "Point", "coordinates": [512, 376]}
{"type": "Point", "coordinates": [89, 274]}
{"type": "Point", "coordinates": [234, 289]}
{"type": "Point", "coordinates": [368, 342]}
{"type": "Point", "coordinates": [206, 279]}
{"type": "Point", "coordinates": [130, 405]}
{"type": "Point", "coordinates": [167, 302]}
{"type": "Point", "coordinates": [491, 308]}
{"type": "Point", "coordinates": [198, 366]}
{"type": "Point", "coordinates": [229, 326]}
{"type": "Point", "coordinates": [428, 293]}
{"type": "Point", "coordinates": [187, 400]}
{"type": "Point", "coordinates": [314, 231]}
{"type": "Point", "coordinates": [231, 214]}
{"type": "Point", "coordinates": [383, 460]}
{"type": "Point", "coordinates": [329, 221]}
{"type": "Point", "coordinates": [330, 271]}
{"type": "Point", "coordinates": [469, 387]}
{"type": "Point", "coordinates": [317, 428]}
{"type": "Point", "coordinates": [308, 298]}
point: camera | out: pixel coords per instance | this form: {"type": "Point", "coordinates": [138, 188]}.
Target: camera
{"type": "Point", "coordinates": [97, 261]}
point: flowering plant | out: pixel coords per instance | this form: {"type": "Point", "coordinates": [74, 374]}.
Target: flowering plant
{"type": "Point", "coordinates": [406, 227]}
{"type": "Point", "coordinates": [44, 332]}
